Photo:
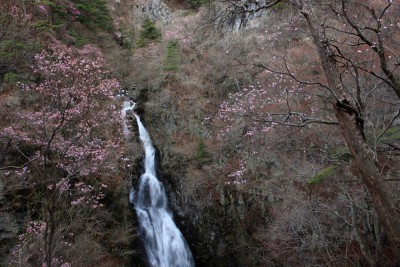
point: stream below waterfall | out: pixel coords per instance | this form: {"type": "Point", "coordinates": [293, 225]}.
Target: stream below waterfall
{"type": "Point", "coordinates": [164, 243]}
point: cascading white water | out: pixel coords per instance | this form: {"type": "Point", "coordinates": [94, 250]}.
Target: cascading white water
{"type": "Point", "coordinates": [128, 105]}
{"type": "Point", "coordinates": [164, 243]}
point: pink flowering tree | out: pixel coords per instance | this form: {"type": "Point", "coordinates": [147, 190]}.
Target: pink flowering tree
{"type": "Point", "coordinates": [71, 104]}
{"type": "Point", "coordinates": [67, 138]}
{"type": "Point", "coordinates": [279, 108]}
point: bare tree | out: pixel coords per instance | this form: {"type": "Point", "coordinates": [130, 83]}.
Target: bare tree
{"type": "Point", "coordinates": [341, 70]}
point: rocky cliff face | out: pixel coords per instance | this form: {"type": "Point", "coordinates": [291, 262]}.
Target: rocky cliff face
{"type": "Point", "coordinates": [246, 16]}
{"type": "Point", "coordinates": [128, 16]}
{"type": "Point", "coordinates": [11, 221]}
{"type": "Point", "coordinates": [217, 219]}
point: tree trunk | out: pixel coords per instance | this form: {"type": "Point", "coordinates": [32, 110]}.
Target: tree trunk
{"type": "Point", "coordinates": [363, 158]}
{"type": "Point", "coordinates": [360, 237]}
{"type": "Point", "coordinates": [24, 6]}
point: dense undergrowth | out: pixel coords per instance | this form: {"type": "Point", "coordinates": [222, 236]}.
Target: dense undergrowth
{"type": "Point", "coordinates": [246, 130]}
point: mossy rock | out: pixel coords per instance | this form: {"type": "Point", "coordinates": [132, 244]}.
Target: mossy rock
{"type": "Point", "coordinates": [392, 134]}
{"type": "Point", "coordinates": [318, 178]}
{"type": "Point", "coordinates": [13, 101]}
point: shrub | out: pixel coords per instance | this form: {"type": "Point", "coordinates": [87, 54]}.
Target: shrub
{"type": "Point", "coordinates": [392, 134]}
{"type": "Point", "coordinates": [281, 5]}
{"type": "Point", "coordinates": [10, 77]}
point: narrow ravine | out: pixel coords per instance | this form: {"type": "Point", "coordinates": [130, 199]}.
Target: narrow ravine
{"type": "Point", "coordinates": [164, 243]}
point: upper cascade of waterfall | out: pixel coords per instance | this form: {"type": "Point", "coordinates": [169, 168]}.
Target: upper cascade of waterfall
{"type": "Point", "coordinates": [127, 105]}
{"type": "Point", "coordinates": [149, 161]}
{"type": "Point", "coordinates": [164, 243]}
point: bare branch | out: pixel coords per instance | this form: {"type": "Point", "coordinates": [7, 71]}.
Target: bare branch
{"type": "Point", "coordinates": [21, 166]}
{"type": "Point", "coordinates": [387, 127]}
{"type": "Point", "coordinates": [291, 75]}
{"type": "Point", "coordinates": [254, 10]}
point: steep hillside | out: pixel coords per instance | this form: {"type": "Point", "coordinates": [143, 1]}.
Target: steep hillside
{"type": "Point", "coordinates": [276, 129]}
{"type": "Point", "coordinates": [258, 170]}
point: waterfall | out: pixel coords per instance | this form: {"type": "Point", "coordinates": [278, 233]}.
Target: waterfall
{"type": "Point", "coordinates": [164, 243]}
{"type": "Point", "coordinates": [128, 105]}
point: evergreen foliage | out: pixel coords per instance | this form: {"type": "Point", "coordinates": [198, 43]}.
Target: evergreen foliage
{"type": "Point", "coordinates": [79, 40]}
{"type": "Point", "coordinates": [202, 155]}
{"type": "Point", "coordinates": [18, 41]}
{"type": "Point", "coordinates": [10, 77]}
{"type": "Point", "coordinates": [281, 5]}
{"type": "Point", "coordinates": [196, 4]}
{"type": "Point", "coordinates": [94, 14]}
{"type": "Point", "coordinates": [172, 56]}
{"type": "Point", "coordinates": [148, 33]}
